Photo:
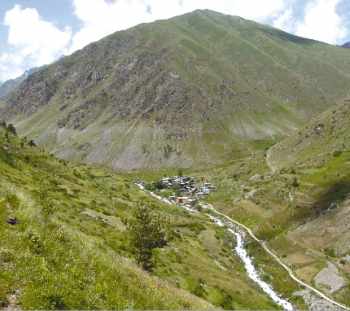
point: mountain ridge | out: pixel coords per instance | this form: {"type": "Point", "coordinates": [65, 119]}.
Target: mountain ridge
{"type": "Point", "coordinates": [8, 86]}
{"type": "Point", "coordinates": [194, 90]}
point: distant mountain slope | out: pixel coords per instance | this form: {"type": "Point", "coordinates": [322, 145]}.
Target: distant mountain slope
{"type": "Point", "coordinates": [318, 159]}
{"type": "Point", "coordinates": [302, 208]}
{"type": "Point", "coordinates": [8, 86]}
{"type": "Point", "coordinates": [328, 135]}
{"type": "Point", "coordinates": [190, 91]}
{"type": "Point", "coordinates": [346, 45]}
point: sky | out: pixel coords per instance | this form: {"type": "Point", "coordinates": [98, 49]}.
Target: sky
{"type": "Point", "coordinates": [38, 32]}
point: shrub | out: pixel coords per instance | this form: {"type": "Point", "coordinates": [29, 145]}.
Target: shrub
{"type": "Point", "coordinates": [295, 182]}
{"type": "Point", "coordinates": [3, 124]}
{"type": "Point", "coordinates": [337, 153]}
{"type": "Point", "coordinates": [11, 128]}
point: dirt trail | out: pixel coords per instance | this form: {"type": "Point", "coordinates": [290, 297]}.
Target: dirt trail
{"type": "Point", "coordinates": [271, 253]}
{"type": "Point", "coordinates": [272, 168]}
{"type": "Point", "coordinates": [281, 263]}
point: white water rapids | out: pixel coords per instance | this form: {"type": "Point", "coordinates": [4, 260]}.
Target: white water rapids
{"type": "Point", "coordinates": [253, 274]}
{"type": "Point", "coordinates": [242, 254]}
{"type": "Point", "coordinates": [249, 266]}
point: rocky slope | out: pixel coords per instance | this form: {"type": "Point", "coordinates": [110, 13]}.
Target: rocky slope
{"type": "Point", "coordinates": [8, 86]}
{"type": "Point", "coordinates": [316, 161]}
{"type": "Point", "coordinates": [190, 91]}
{"type": "Point", "coordinates": [302, 208]}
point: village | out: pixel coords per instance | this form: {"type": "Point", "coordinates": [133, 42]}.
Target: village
{"type": "Point", "coordinates": [185, 190]}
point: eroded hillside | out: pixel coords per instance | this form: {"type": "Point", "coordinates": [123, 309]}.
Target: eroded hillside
{"type": "Point", "coordinates": [189, 91]}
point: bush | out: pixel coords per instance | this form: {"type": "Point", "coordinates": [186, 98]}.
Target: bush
{"type": "Point", "coordinates": [295, 182]}
{"type": "Point", "coordinates": [337, 153]}
{"type": "Point", "coordinates": [11, 128]}
{"type": "Point", "coordinates": [330, 252]}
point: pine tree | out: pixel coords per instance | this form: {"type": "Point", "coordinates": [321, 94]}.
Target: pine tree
{"type": "Point", "coordinates": [147, 233]}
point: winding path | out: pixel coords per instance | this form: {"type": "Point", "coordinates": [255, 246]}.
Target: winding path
{"type": "Point", "coordinates": [273, 169]}
{"type": "Point", "coordinates": [279, 261]}
{"type": "Point", "coordinates": [263, 245]}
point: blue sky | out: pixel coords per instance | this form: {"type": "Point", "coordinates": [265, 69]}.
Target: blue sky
{"type": "Point", "coordinates": [37, 32]}
{"type": "Point", "coordinates": [59, 12]}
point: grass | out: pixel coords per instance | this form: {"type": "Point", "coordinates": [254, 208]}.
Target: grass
{"type": "Point", "coordinates": [276, 218]}
{"type": "Point", "coordinates": [70, 248]}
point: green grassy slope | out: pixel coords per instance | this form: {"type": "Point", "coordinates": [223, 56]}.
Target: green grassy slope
{"type": "Point", "coordinates": [319, 155]}
{"type": "Point", "coordinates": [303, 208]}
{"type": "Point", "coordinates": [70, 248]}
{"type": "Point", "coordinates": [189, 91]}
{"type": "Point", "coordinates": [327, 136]}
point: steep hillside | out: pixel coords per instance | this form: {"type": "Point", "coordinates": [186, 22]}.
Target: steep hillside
{"type": "Point", "coordinates": [326, 137]}
{"type": "Point", "coordinates": [189, 91]}
{"type": "Point", "coordinates": [65, 243]}
{"type": "Point", "coordinates": [320, 155]}
{"type": "Point", "coordinates": [302, 207]}
{"type": "Point", "coordinates": [8, 86]}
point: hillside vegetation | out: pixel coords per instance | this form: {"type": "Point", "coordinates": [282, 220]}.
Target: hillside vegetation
{"type": "Point", "coordinates": [190, 91]}
{"type": "Point", "coordinates": [65, 242]}
{"type": "Point", "coordinates": [302, 207]}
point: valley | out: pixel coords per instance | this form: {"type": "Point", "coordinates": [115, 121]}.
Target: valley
{"type": "Point", "coordinates": [199, 162]}
{"type": "Point", "coordinates": [69, 242]}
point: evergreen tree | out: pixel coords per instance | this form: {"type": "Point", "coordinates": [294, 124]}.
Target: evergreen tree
{"type": "Point", "coordinates": [147, 232]}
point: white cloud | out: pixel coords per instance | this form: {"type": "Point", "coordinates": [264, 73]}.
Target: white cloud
{"type": "Point", "coordinates": [101, 18]}
{"type": "Point", "coordinates": [321, 22]}
{"type": "Point", "coordinates": [32, 42]}
{"type": "Point", "coordinates": [285, 21]}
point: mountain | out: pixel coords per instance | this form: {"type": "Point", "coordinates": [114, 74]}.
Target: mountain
{"type": "Point", "coordinates": [295, 196]}
{"type": "Point", "coordinates": [346, 45]}
{"type": "Point", "coordinates": [65, 243]}
{"type": "Point", "coordinates": [8, 86]}
{"type": "Point", "coordinates": [192, 91]}
{"type": "Point", "coordinates": [319, 156]}
{"type": "Point", "coordinates": [326, 137]}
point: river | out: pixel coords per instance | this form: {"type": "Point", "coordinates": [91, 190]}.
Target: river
{"type": "Point", "coordinates": [241, 252]}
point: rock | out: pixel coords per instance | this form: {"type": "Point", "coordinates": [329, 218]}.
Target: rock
{"type": "Point", "coordinates": [250, 194]}
{"type": "Point", "coordinates": [330, 278]}
{"type": "Point", "coordinates": [12, 221]}
{"type": "Point", "coordinates": [332, 206]}
{"type": "Point", "coordinates": [319, 128]}
{"type": "Point", "coordinates": [256, 177]}
{"type": "Point", "coordinates": [346, 259]}
{"type": "Point", "coordinates": [316, 303]}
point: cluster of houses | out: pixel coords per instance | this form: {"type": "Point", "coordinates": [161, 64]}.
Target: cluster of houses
{"type": "Point", "coordinates": [187, 191]}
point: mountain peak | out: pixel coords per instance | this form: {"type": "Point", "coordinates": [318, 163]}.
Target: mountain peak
{"type": "Point", "coordinates": [209, 13]}
{"type": "Point", "coordinates": [188, 81]}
